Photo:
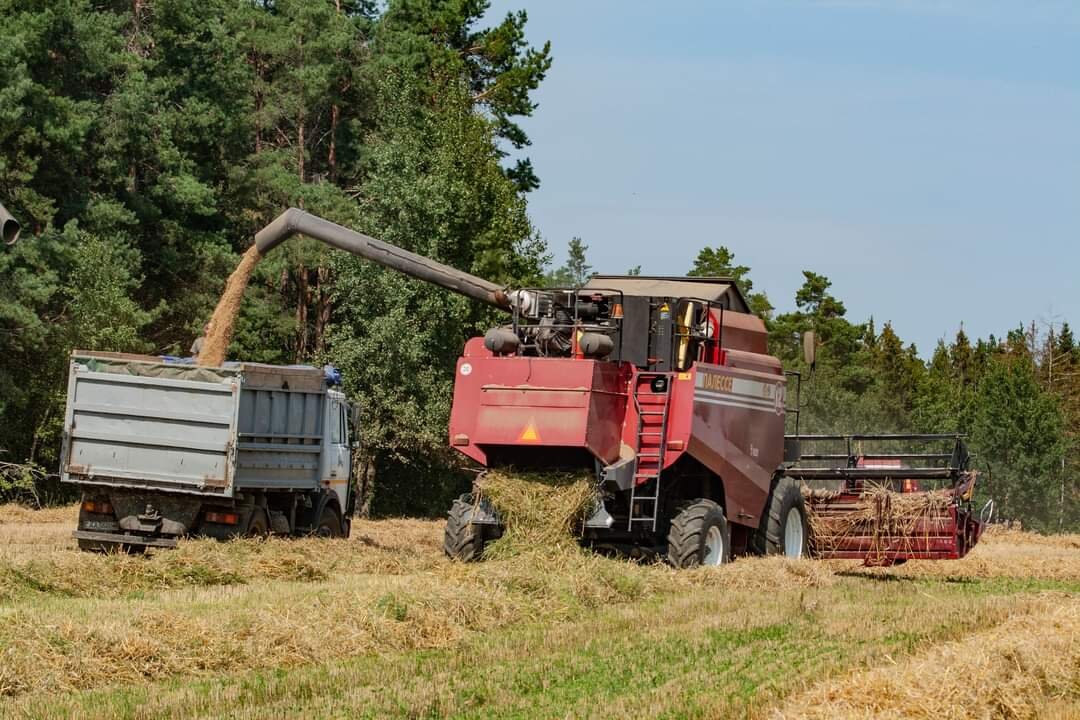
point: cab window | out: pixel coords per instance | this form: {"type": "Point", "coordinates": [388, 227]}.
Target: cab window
{"type": "Point", "coordinates": [337, 426]}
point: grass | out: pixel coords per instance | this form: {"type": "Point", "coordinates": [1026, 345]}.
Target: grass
{"type": "Point", "coordinates": [380, 625]}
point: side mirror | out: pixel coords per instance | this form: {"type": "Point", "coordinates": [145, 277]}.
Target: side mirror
{"type": "Point", "coordinates": [809, 347]}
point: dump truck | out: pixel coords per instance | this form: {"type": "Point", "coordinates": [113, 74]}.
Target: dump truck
{"type": "Point", "coordinates": [161, 448]}
{"type": "Point", "coordinates": [664, 391]}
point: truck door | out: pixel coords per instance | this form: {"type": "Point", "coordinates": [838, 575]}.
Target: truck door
{"type": "Point", "coordinates": [338, 451]}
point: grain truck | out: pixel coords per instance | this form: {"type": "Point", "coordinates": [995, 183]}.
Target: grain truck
{"type": "Point", "coordinates": [162, 448]}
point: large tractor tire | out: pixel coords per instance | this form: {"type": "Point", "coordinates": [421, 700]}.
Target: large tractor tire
{"type": "Point", "coordinates": [462, 540]}
{"type": "Point", "coordinates": [784, 528]}
{"type": "Point", "coordinates": [699, 535]}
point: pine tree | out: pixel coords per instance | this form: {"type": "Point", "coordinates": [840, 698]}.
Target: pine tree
{"type": "Point", "coordinates": [576, 271]}
{"type": "Point", "coordinates": [720, 262]}
{"type": "Point", "coordinates": [438, 39]}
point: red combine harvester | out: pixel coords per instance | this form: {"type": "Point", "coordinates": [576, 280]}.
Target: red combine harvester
{"type": "Point", "coordinates": [664, 388]}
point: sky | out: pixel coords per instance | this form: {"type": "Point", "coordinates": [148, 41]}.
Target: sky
{"type": "Point", "coordinates": [924, 156]}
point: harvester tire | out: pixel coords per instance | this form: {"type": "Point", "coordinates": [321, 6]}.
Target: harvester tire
{"type": "Point", "coordinates": [699, 535]}
{"type": "Point", "coordinates": [329, 523]}
{"type": "Point", "coordinates": [462, 540]}
{"type": "Point", "coordinates": [784, 529]}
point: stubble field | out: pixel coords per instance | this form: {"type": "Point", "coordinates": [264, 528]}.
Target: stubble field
{"type": "Point", "coordinates": [382, 625]}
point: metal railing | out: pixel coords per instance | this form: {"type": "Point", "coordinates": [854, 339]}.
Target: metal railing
{"type": "Point", "coordinates": [706, 342]}
{"type": "Point", "coordinates": [857, 456]}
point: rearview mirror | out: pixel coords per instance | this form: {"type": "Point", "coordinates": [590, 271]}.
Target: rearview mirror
{"type": "Point", "coordinates": [809, 347]}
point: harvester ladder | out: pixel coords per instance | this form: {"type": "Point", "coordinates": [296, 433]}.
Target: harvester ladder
{"type": "Point", "coordinates": [652, 425]}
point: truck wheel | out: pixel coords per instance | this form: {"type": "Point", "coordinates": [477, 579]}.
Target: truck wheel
{"type": "Point", "coordinates": [462, 540]}
{"type": "Point", "coordinates": [699, 535]}
{"type": "Point", "coordinates": [784, 529]}
{"type": "Point", "coordinates": [257, 526]}
{"type": "Point", "coordinates": [329, 523]}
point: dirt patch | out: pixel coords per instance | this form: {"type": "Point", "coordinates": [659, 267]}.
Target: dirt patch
{"type": "Point", "coordinates": [228, 307]}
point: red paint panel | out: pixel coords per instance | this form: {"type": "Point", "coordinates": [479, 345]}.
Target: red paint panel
{"type": "Point", "coordinates": [562, 402]}
{"type": "Point", "coordinates": [738, 433]}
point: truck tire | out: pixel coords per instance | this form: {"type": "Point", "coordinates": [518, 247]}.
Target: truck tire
{"type": "Point", "coordinates": [329, 525]}
{"type": "Point", "coordinates": [699, 535]}
{"type": "Point", "coordinates": [257, 525]}
{"type": "Point", "coordinates": [784, 529]}
{"type": "Point", "coordinates": [462, 540]}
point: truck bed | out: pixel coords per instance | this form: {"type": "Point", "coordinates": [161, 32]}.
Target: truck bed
{"type": "Point", "coordinates": [141, 422]}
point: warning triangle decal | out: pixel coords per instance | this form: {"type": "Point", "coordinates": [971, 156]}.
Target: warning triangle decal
{"type": "Point", "coordinates": [529, 434]}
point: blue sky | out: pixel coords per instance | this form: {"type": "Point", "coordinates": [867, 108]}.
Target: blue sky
{"type": "Point", "coordinates": [925, 156]}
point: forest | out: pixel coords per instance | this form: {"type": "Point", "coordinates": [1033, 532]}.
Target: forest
{"type": "Point", "coordinates": [142, 143]}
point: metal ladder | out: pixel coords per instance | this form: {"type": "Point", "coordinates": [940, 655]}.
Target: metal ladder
{"type": "Point", "coordinates": [652, 428]}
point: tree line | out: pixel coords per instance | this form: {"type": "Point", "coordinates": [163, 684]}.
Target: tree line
{"type": "Point", "coordinates": [143, 142]}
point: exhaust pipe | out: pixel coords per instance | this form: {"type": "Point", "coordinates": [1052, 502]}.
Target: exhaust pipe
{"type": "Point", "coordinates": [9, 227]}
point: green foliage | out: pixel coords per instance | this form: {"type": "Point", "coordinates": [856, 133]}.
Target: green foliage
{"type": "Point", "coordinates": [103, 314]}
{"type": "Point", "coordinates": [438, 39]}
{"type": "Point", "coordinates": [576, 271]}
{"type": "Point", "coordinates": [720, 262]}
{"type": "Point", "coordinates": [1018, 428]}
{"type": "Point", "coordinates": [818, 310]}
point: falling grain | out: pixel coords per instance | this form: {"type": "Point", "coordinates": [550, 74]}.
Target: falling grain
{"type": "Point", "coordinates": [228, 307]}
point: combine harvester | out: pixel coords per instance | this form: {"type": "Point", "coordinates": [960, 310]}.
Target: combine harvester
{"type": "Point", "coordinates": [663, 389]}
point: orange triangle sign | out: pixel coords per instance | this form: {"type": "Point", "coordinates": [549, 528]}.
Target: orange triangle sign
{"type": "Point", "coordinates": [529, 434]}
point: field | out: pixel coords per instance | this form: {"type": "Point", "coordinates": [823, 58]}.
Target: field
{"type": "Point", "coordinates": [381, 625]}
